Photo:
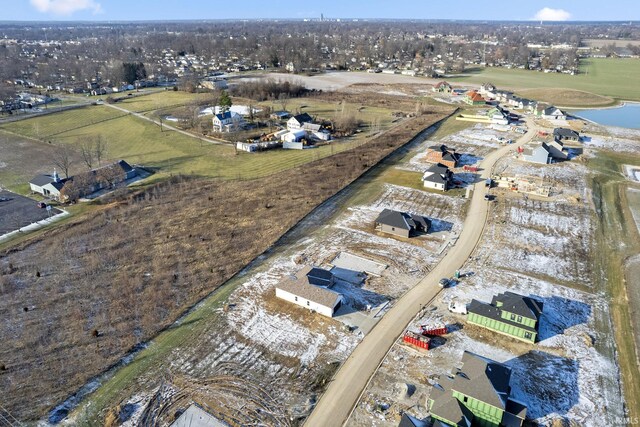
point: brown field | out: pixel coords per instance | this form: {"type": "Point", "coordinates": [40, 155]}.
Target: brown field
{"type": "Point", "coordinates": [606, 42]}
{"type": "Point", "coordinates": [567, 97]}
{"type": "Point", "coordinates": [114, 279]}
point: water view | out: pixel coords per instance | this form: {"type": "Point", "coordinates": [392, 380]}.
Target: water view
{"type": "Point", "coordinates": [627, 116]}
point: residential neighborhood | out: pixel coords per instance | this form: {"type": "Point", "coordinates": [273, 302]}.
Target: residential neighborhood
{"type": "Point", "coordinates": [263, 214]}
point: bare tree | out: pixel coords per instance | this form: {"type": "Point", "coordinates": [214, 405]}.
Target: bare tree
{"type": "Point", "coordinates": [99, 149]}
{"type": "Point", "coordinates": [63, 159]}
{"type": "Point", "coordinates": [284, 101]}
{"type": "Point", "coordinates": [87, 151]}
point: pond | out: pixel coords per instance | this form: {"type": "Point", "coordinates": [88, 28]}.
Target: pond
{"type": "Point", "coordinates": [627, 116]}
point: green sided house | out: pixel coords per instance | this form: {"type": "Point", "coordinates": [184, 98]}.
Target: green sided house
{"type": "Point", "coordinates": [510, 314]}
{"type": "Point", "coordinates": [476, 395]}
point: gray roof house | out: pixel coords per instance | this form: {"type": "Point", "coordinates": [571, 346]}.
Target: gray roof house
{"type": "Point", "coordinates": [401, 223]}
{"type": "Point", "coordinates": [438, 177]}
{"type": "Point", "coordinates": [545, 153]}
{"type": "Point", "coordinates": [195, 416]}
{"type": "Point", "coordinates": [477, 394]}
{"type": "Point", "coordinates": [409, 421]}
{"type": "Point", "coordinates": [510, 314]}
{"type": "Point", "coordinates": [553, 113]}
{"type": "Point", "coordinates": [48, 185]}
{"type": "Point", "coordinates": [309, 288]}
{"type": "Point", "coordinates": [297, 121]}
{"type": "Point", "coordinates": [564, 134]}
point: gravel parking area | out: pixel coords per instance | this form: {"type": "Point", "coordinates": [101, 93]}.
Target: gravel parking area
{"type": "Point", "coordinates": [17, 211]}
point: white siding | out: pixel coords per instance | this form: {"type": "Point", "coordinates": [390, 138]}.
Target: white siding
{"type": "Point", "coordinates": [434, 185]}
{"type": "Point", "coordinates": [287, 296]}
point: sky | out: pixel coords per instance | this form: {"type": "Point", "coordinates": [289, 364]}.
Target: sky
{"type": "Point", "coordinates": [140, 10]}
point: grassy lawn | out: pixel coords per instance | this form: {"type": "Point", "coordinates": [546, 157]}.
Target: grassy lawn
{"type": "Point", "coordinates": [616, 78]}
{"type": "Point", "coordinates": [161, 100]}
{"type": "Point", "coordinates": [141, 142]}
{"type": "Point", "coordinates": [617, 229]}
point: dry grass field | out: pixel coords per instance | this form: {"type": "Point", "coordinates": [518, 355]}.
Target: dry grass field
{"type": "Point", "coordinates": [113, 280]}
{"type": "Point", "coordinates": [567, 97]}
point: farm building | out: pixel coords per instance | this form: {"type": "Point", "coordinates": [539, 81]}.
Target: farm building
{"type": "Point", "coordinates": [444, 155]}
{"type": "Point", "coordinates": [280, 115]}
{"type": "Point", "coordinates": [511, 314]}
{"type": "Point", "coordinates": [442, 87]}
{"type": "Point", "coordinates": [195, 416]}
{"type": "Point", "coordinates": [564, 134]}
{"type": "Point", "coordinates": [477, 394]}
{"type": "Point", "coordinates": [545, 153]}
{"type": "Point", "coordinates": [228, 121]}
{"type": "Point", "coordinates": [401, 223]}
{"type": "Point", "coordinates": [437, 177]}
{"type": "Point", "coordinates": [297, 122]}
{"type": "Point", "coordinates": [47, 185]}
{"type": "Point", "coordinates": [309, 288]}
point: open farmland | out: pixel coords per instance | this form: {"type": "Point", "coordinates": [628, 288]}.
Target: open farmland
{"type": "Point", "coordinates": [250, 216]}
{"type": "Point", "coordinates": [141, 142]}
{"type": "Point", "coordinates": [598, 75]}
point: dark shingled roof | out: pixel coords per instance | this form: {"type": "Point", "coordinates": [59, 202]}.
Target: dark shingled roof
{"type": "Point", "coordinates": [528, 307]}
{"type": "Point", "coordinates": [409, 421]}
{"type": "Point", "coordinates": [565, 133]}
{"type": "Point", "coordinates": [303, 118]}
{"type": "Point", "coordinates": [403, 220]}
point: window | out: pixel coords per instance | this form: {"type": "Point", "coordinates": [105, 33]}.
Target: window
{"type": "Point", "coordinates": [527, 335]}
{"type": "Point", "coordinates": [393, 229]}
{"type": "Point", "coordinates": [308, 303]}
{"type": "Point", "coordinates": [513, 317]}
{"type": "Point", "coordinates": [296, 299]}
{"type": "Point", "coordinates": [464, 399]}
{"type": "Point", "coordinates": [519, 319]}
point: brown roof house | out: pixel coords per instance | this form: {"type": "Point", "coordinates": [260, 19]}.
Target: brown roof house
{"type": "Point", "coordinates": [443, 155]}
{"type": "Point", "coordinates": [310, 288]}
{"type": "Point", "coordinates": [401, 223]}
{"type": "Point", "coordinates": [477, 394]}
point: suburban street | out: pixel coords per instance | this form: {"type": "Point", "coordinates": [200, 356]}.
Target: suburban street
{"type": "Point", "coordinates": [348, 384]}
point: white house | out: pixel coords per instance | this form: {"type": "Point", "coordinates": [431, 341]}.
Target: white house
{"type": "Point", "coordinates": [227, 122]}
{"type": "Point", "coordinates": [47, 185]}
{"type": "Point", "coordinates": [553, 113]}
{"type": "Point", "coordinates": [297, 122]}
{"type": "Point", "coordinates": [437, 177]}
{"type": "Point", "coordinates": [310, 289]}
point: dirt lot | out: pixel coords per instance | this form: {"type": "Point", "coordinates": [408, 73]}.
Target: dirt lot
{"type": "Point", "coordinates": [17, 211]}
{"type": "Point", "coordinates": [532, 246]}
{"type": "Point", "coordinates": [123, 259]}
{"type": "Point", "coordinates": [284, 346]}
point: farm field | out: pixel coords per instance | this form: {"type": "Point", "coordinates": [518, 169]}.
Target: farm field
{"type": "Point", "coordinates": [141, 142]}
{"type": "Point", "coordinates": [616, 78]}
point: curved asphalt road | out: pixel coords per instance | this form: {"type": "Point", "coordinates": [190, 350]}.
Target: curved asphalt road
{"type": "Point", "coordinates": [344, 391]}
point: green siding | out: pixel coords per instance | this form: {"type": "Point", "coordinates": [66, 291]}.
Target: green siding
{"type": "Point", "coordinates": [503, 328]}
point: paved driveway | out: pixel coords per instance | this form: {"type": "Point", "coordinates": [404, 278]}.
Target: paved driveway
{"type": "Point", "coordinates": [17, 211]}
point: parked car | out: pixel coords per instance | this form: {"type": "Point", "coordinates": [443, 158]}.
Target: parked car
{"type": "Point", "coordinates": [42, 205]}
{"type": "Point", "coordinates": [444, 282]}
{"type": "Point", "coordinates": [489, 197]}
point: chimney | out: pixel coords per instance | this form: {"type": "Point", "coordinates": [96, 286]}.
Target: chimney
{"type": "Point", "coordinates": [56, 178]}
